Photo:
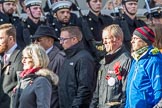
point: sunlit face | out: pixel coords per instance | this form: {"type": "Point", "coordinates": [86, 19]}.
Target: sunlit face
{"type": "Point", "coordinates": [96, 5]}
{"type": "Point", "coordinates": [131, 7]}
{"type": "Point", "coordinates": [27, 62]}
{"type": "Point", "coordinates": [63, 15]}
{"type": "Point", "coordinates": [43, 41]}
{"type": "Point", "coordinates": [9, 7]}
{"type": "Point", "coordinates": [65, 40]}
{"type": "Point", "coordinates": [35, 11]}
{"type": "Point", "coordinates": [137, 43]}
{"type": "Point", "coordinates": [3, 41]}
{"type": "Point", "coordinates": [110, 42]}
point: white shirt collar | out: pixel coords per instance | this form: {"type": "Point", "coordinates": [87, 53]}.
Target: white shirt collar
{"type": "Point", "coordinates": [49, 49]}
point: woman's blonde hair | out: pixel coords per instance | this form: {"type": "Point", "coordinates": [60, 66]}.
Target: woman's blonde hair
{"type": "Point", "coordinates": [38, 55]}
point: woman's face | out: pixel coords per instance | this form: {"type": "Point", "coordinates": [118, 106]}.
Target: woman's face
{"type": "Point", "coordinates": [27, 62]}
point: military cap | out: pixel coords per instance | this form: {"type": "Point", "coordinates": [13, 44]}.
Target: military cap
{"type": "Point", "coordinates": [156, 12]}
{"type": "Point", "coordinates": [1, 1]}
{"type": "Point", "coordinates": [124, 1]}
{"type": "Point", "coordinates": [61, 5]}
{"type": "Point", "coordinates": [45, 30]}
{"type": "Point", "coordinates": [29, 3]}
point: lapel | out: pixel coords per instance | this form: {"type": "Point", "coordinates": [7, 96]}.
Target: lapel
{"type": "Point", "coordinates": [53, 53]}
{"type": "Point", "coordinates": [11, 59]}
{"type": "Point", "coordinates": [104, 83]}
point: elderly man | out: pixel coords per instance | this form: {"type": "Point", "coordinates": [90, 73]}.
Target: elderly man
{"type": "Point", "coordinates": [77, 75]}
{"type": "Point", "coordinates": [111, 82]}
{"type": "Point", "coordinates": [144, 84]}
{"type": "Point", "coordinates": [10, 64]}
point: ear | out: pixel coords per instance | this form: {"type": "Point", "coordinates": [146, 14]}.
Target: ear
{"type": "Point", "coordinates": [54, 15]}
{"type": "Point", "coordinates": [10, 38]}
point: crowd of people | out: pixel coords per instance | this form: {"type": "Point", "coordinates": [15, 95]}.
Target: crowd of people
{"type": "Point", "coordinates": [61, 60]}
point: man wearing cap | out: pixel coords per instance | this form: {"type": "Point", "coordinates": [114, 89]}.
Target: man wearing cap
{"type": "Point", "coordinates": [8, 7]}
{"type": "Point", "coordinates": [62, 16]}
{"type": "Point", "coordinates": [31, 23]}
{"type": "Point", "coordinates": [96, 23]}
{"type": "Point", "coordinates": [129, 22]}
{"type": "Point", "coordinates": [144, 84]}
{"type": "Point", "coordinates": [45, 36]}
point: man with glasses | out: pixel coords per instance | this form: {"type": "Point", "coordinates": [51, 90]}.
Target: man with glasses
{"type": "Point", "coordinates": [129, 22]}
{"type": "Point", "coordinates": [144, 84]}
{"type": "Point", "coordinates": [77, 77]}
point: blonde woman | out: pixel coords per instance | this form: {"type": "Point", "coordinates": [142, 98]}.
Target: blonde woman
{"type": "Point", "coordinates": [34, 89]}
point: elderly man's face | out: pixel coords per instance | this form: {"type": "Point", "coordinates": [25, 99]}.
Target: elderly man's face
{"type": "Point", "coordinates": [63, 15]}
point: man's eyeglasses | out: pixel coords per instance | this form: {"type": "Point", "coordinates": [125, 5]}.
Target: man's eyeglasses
{"type": "Point", "coordinates": [63, 39]}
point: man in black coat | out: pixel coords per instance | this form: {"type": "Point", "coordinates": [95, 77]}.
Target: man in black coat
{"type": "Point", "coordinates": [129, 22]}
{"type": "Point", "coordinates": [77, 78]}
{"type": "Point", "coordinates": [96, 21]}
{"type": "Point", "coordinates": [33, 20]}
{"type": "Point", "coordinates": [10, 64]}
{"type": "Point", "coordinates": [8, 7]}
{"type": "Point", "coordinates": [61, 16]}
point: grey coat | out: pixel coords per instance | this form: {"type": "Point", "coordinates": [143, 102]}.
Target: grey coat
{"type": "Point", "coordinates": [8, 79]}
{"type": "Point", "coordinates": [56, 58]}
{"type": "Point", "coordinates": [114, 91]}
{"type": "Point", "coordinates": [34, 91]}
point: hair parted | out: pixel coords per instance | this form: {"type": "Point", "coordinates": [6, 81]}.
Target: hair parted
{"type": "Point", "coordinates": [10, 29]}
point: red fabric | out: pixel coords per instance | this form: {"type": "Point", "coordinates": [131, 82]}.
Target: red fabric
{"type": "Point", "coordinates": [29, 71]}
{"type": "Point", "coordinates": [118, 70]}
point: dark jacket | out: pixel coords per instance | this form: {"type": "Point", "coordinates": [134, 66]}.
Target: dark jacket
{"type": "Point", "coordinates": [97, 24]}
{"type": "Point", "coordinates": [77, 78]}
{"type": "Point", "coordinates": [16, 22]}
{"type": "Point", "coordinates": [28, 29]}
{"type": "Point", "coordinates": [56, 58]}
{"type": "Point", "coordinates": [112, 89]}
{"type": "Point", "coordinates": [128, 26]}
{"type": "Point", "coordinates": [8, 79]}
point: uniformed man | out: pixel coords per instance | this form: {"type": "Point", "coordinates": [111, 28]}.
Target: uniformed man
{"type": "Point", "coordinates": [8, 7]}
{"type": "Point", "coordinates": [62, 17]}
{"type": "Point", "coordinates": [7, 10]}
{"type": "Point", "coordinates": [129, 22]}
{"type": "Point", "coordinates": [33, 20]}
{"type": "Point", "coordinates": [96, 22]}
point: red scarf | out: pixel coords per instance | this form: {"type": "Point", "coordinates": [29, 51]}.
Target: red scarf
{"type": "Point", "coordinates": [28, 71]}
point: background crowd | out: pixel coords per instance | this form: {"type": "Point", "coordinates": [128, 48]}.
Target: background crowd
{"type": "Point", "coordinates": [53, 58]}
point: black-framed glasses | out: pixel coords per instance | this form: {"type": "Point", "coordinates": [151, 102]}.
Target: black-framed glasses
{"type": "Point", "coordinates": [63, 39]}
